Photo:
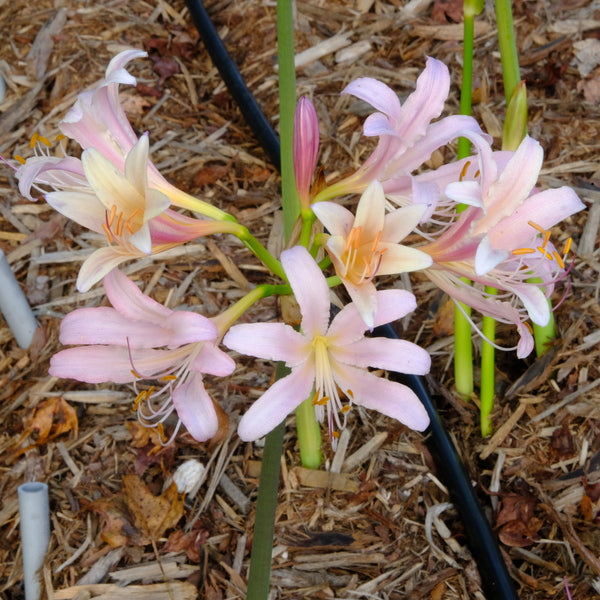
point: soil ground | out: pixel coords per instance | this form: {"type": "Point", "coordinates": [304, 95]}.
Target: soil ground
{"type": "Point", "coordinates": [383, 527]}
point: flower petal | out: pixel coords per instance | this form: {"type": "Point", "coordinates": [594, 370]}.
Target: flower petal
{"type": "Point", "coordinates": [213, 360]}
{"type": "Point", "coordinates": [284, 396]}
{"type": "Point", "coordinates": [309, 287]}
{"type": "Point", "coordinates": [387, 397]}
{"type": "Point", "coordinates": [382, 353]}
{"type": "Point", "coordinates": [370, 212]}
{"type": "Point", "coordinates": [100, 263]}
{"type": "Point", "coordinates": [486, 257]}
{"type": "Point", "coordinates": [376, 93]}
{"type": "Point", "coordinates": [400, 222]}
{"type": "Point", "coordinates": [195, 409]}
{"type": "Point", "coordinates": [272, 341]}
{"type": "Point", "coordinates": [402, 259]}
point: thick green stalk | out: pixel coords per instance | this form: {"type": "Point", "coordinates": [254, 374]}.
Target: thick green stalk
{"type": "Point", "coordinates": [309, 435]}
{"type": "Point", "coordinates": [508, 47]}
{"type": "Point", "coordinates": [259, 575]}
{"type": "Point", "coordinates": [287, 107]}
{"type": "Point", "coordinates": [261, 252]}
{"type": "Point", "coordinates": [488, 359]}
{"type": "Point", "coordinates": [463, 348]}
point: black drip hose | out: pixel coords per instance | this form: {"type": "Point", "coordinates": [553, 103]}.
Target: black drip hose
{"type": "Point", "coordinates": [495, 580]}
{"type": "Point", "coordinates": [261, 128]}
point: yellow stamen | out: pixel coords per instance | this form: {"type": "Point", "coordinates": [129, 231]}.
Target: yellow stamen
{"type": "Point", "coordinates": [136, 374]}
{"type": "Point", "coordinates": [168, 378]}
{"type": "Point", "coordinates": [559, 260]}
{"type": "Point", "coordinates": [528, 326]}
{"type": "Point", "coordinates": [108, 233]}
{"type": "Point", "coordinates": [376, 241]}
{"type": "Point", "coordinates": [323, 401]}
{"type": "Point", "coordinates": [350, 394]}
{"type": "Point", "coordinates": [119, 225]}
{"type": "Point", "coordinates": [536, 227]}
{"type": "Point", "coordinates": [20, 159]}
{"type": "Point", "coordinates": [335, 434]}
{"type": "Point", "coordinates": [346, 408]}
{"type": "Point", "coordinates": [567, 246]}
{"type": "Point", "coordinates": [59, 137]}
{"type": "Point", "coordinates": [545, 252]}
{"type": "Point", "coordinates": [546, 239]}
{"type": "Point", "coordinates": [519, 251]}
{"type": "Point", "coordinates": [33, 140]}
{"type": "Point", "coordinates": [44, 141]}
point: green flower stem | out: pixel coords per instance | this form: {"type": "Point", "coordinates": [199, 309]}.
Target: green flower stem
{"type": "Point", "coordinates": [309, 435]}
{"type": "Point", "coordinates": [228, 317]}
{"type": "Point", "coordinates": [308, 218]}
{"type": "Point", "coordinates": [463, 348]}
{"type": "Point", "coordinates": [543, 335]}
{"type": "Point", "coordinates": [259, 576]}
{"type": "Point", "coordinates": [261, 252]}
{"type": "Point", "coordinates": [488, 358]}
{"type": "Point", "coordinates": [287, 107]}
{"type": "Point", "coordinates": [184, 200]}
{"type": "Point", "coordinates": [508, 47]}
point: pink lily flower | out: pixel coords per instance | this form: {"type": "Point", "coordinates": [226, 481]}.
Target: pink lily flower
{"type": "Point", "coordinates": [502, 240]}
{"type": "Point", "coordinates": [367, 245]}
{"type": "Point", "coordinates": [135, 218]}
{"type": "Point", "coordinates": [138, 338]}
{"type": "Point", "coordinates": [407, 138]}
{"type": "Point", "coordinates": [330, 361]}
{"type": "Point", "coordinates": [306, 147]}
{"type": "Point", "coordinates": [97, 121]}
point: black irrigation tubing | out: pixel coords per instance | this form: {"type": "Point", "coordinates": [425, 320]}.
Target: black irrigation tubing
{"type": "Point", "coordinates": [496, 581]}
{"type": "Point", "coordinates": [236, 85]}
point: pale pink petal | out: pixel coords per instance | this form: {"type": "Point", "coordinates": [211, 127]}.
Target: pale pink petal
{"type": "Point", "coordinates": [99, 364]}
{"type": "Point", "coordinates": [382, 353]}
{"type": "Point", "coordinates": [402, 259]}
{"type": "Point", "coordinates": [486, 257]}
{"type": "Point", "coordinates": [465, 192]}
{"type": "Point", "coordinates": [104, 325]}
{"type": "Point", "coordinates": [335, 218]}
{"type": "Point", "coordinates": [83, 207]}
{"type": "Point", "coordinates": [347, 326]}
{"type": "Point", "coordinates": [387, 397]}
{"type": "Point", "coordinates": [284, 396]}
{"type": "Point", "coordinates": [309, 287]}
{"type": "Point", "coordinates": [213, 360]}
{"type": "Point", "coordinates": [376, 93]}
{"type": "Point", "coordinates": [130, 301]}
{"type": "Point", "coordinates": [534, 300]}
{"type": "Point", "coordinates": [545, 209]}
{"type": "Point", "coordinates": [272, 341]}
{"type": "Point", "coordinates": [52, 171]}
{"type": "Point", "coordinates": [512, 186]}
{"type": "Point", "coordinates": [364, 298]}
{"type": "Point", "coordinates": [195, 409]}
{"type": "Point", "coordinates": [100, 263]}
{"type": "Point", "coordinates": [370, 212]}
{"type": "Point", "coordinates": [187, 327]}
{"type": "Point", "coordinates": [378, 124]}
{"type": "Point", "coordinates": [399, 223]}
{"type": "Point", "coordinates": [427, 101]}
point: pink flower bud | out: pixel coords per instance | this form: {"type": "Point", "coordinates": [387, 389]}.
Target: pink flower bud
{"type": "Point", "coordinates": [306, 147]}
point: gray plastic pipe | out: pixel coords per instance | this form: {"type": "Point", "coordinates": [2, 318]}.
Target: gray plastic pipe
{"type": "Point", "coordinates": [34, 515]}
{"type": "Point", "coordinates": [14, 306]}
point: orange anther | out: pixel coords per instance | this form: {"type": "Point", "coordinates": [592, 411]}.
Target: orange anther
{"type": "Point", "coordinates": [350, 394]}
{"type": "Point", "coordinates": [536, 226]}
{"type": "Point", "coordinates": [19, 158]}
{"type": "Point", "coordinates": [136, 374]}
{"type": "Point", "coordinates": [559, 260]}
{"type": "Point", "coordinates": [33, 140]}
{"type": "Point", "coordinates": [168, 378]}
{"type": "Point", "coordinates": [545, 252]}
{"type": "Point", "coordinates": [567, 246]}
{"type": "Point", "coordinates": [346, 408]}
{"type": "Point", "coordinates": [519, 251]}
{"type": "Point", "coordinates": [464, 170]}
{"type": "Point", "coordinates": [44, 140]}
{"type": "Point", "coordinates": [546, 239]}
{"type": "Point", "coordinates": [335, 434]}
{"type": "Point", "coordinates": [111, 215]}
{"type": "Point", "coordinates": [108, 232]}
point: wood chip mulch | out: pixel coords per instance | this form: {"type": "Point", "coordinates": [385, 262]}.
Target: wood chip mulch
{"type": "Point", "coordinates": [376, 522]}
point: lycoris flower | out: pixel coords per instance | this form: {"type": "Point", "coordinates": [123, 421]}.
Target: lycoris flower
{"type": "Point", "coordinates": [137, 339]}
{"type": "Point", "coordinates": [407, 138]}
{"type": "Point", "coordinates": [97, 120]}
{"type": "Point", "coordinates": [367, 245]}
{"type": "Point", "coordinates": [330, 361]}
{"type": "Point", "coordinates": [502, 239]}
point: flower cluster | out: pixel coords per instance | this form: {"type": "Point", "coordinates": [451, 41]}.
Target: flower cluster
{"type": "Point", "coordinates": [501, 239]}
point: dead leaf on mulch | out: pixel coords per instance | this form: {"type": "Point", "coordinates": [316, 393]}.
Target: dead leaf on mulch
{"type": "Point", "coordinates": [51, 418]}
{"type": "Point", "coordinates": [153, 515]}
{"type": "Point", "coordinates": [517, 524]}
